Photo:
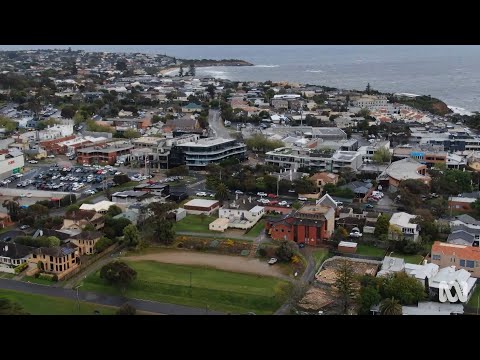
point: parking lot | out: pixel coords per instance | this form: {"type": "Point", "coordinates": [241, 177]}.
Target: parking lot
{"type": "Point", "coordinates": [63, 179]}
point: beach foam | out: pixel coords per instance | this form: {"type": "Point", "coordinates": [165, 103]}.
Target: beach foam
{"type": "Point", "coordinates": [314, 71]}
{"type": "Point", "coordinates": [266, 66]}
{"type": "Point", "coordinates": [459, 110]}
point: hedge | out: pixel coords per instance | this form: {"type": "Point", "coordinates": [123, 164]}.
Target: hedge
{"type": "Point", "coordinates": [21, 267]}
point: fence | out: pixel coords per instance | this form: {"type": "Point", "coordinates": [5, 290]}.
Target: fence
{"type": "Point", "coordinates": [92, 259]}
{"type": "Point", "coordinates": [8, 270]}
{"type": "Point", "coordinates": [35, 193]}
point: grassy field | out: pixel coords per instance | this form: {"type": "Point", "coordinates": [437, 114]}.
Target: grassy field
{"type": "Point", "coordinates": [34, 280]}
{"type": "Point", "coordinates": [48, 305]}
{"type": "Point", "coordinates": [319, 255]}
{"type": "Point", "coordinates": [194, 223]}
{"type": "Point", "coordinates": [4, 275]}
{"type": "Point", "coordinates": [219, 290]}
{"type": "Point", "coordinates": [370, 250]}
{"type": "Point", "coordinates": [257, 229]}
{"type": "Point", "coordinates": [474, 300]}
{"type": "Point", "coordinates": [411, 259]}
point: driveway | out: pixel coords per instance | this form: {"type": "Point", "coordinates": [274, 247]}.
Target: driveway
{"type": "Point", "coordinates": [222, 262]}
{"type": "Point", "coordinates": [215, 123]}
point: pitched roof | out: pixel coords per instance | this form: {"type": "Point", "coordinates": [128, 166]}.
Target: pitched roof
{"type": "Point", "coordinates": [467, 219]}
{"type": "Point", "coordinates": [182, 123]}
{"type": "Point", "coordinates": [80, 215]}
{"type": "Point", "coordinates": [14, 251]}
{"type": "Point", "coordinates": [326, 200]}
{"type": "Point", "coordinates": [325, 176]}
{"type": "Point", "coordinates": [462, 251]}
{"type": "Point", "coordinates": [57, 251]}
{"type": "Point", "coordinates": [88, 235]}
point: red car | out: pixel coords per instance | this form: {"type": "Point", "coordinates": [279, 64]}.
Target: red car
{"type": "Point", "coordinates": [273, 202]}
{"type": "Point", "coordinates": [272, 196]}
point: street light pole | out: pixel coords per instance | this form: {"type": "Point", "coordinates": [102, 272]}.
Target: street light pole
{"type": "Point", "coordinates": [190, 284]}
{"type": "Point", "coordinates": [78, 297]}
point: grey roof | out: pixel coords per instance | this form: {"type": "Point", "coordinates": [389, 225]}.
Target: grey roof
{"type": "Point", "coordinates": [466, 228]}
{"type": "Point", "coordinates": [358, 187]}
{"type": "Point", "coordinates": [57, 251]}
{"type": "Point", "coordinates": [467, 219]}
{"type": "Point", "coordinates": [475, 194]}
{"type": "Point", "coordinates": [461, 237]}
{"type": "Point", "coordinates": [14, 251]}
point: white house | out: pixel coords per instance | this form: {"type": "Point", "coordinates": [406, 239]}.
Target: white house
{"type": "Point", "coordinates": [449, 275]}
{"type": "Point", "coordinates": [401, 221]}
{"type": "Point", "coordinates": [241, 219]}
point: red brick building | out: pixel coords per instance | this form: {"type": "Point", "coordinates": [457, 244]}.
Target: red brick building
{"type": "Point", "coordinates": [310, 225]}
{"type": "Point", "coordinates": [102, 155]}
{"type": "Point", "coordinates": [53, 146]}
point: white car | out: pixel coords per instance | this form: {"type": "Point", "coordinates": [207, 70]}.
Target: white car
{"type": "Point", "coordinates": [356, 233]}
{"type": "Point", "coordinates": [19, 175]}
{"type": "Point", "coordinates": [29, 195]}
{"type": "Point", "coordinates": [283, 203]}
{"type": "Point", "coordinates": [261, 194]}
{"type": "Point", "coordinates": [272, 261]}
{"type": "Point", "coordinates": [201, 193]}
{"type": "Point", "coordinates": [33, 161]}
{"type": "Point", "coordinates": [301, 198]}
{"type": "Point", "coordinates": [238, 192]}
{"type": "Point", "coordinates": [51, 156]}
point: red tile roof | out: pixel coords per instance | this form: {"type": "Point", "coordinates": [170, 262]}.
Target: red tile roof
{"type": "Point", "coordinates": [461, 251]}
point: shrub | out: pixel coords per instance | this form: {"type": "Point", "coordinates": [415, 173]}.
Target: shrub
{"type": "Point", "coordinates": [36, 275]}
{"type": "Point", "coordinates": [229, 242]}
{"type": "Point", "coordinates": [48, 277]}
{"type": "Point", "coordinates": [20, 268]}
{"type": "Point", "coordinates": [262, 252]}
{"type": "Point", "coordinates": [55, 277]}
{"type": "Point", "coordinates": [180, 245]}
{"type": "Point", "coordinates": [295, 259]}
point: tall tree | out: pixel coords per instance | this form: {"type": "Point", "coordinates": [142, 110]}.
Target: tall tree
{"type": "Point", "coordinates": [180, 72]}
{"type": "Point", "coordinates": [368, 89]}
{"type": "Point", "coordinates": [381, 226]}
{"type": "Point", "coordinates": [390, 306]}
{"type": "Point", "coordinates": [407, 290]}
{"type": "Point", "coordinates": [368, 297]}
{"type": "Point", "coordinates": [13, 208]}
{"type": "Point", "coordinates": [131, 237]}
{"type": "Point", "coordinates": [163, 231]}
{"type": "Point", "coordinates": [9, 307]}
{"type": "Point", "coordinates": [119, 274]}
{"type": "Point", "coordinates": [221, 193]}
{"type": "Point", "coordinates": [345, 284]}
{"type": "Point", "coordinates": [192, 69]}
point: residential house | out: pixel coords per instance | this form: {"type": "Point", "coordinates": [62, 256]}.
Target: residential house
{"type": "Point", "coordinates": [191, 107]}
{"type": "Point", "coordinates": [86, 241]}
{"type": "Point", "coordinates": [201, 206]}
{"type": "Point", "coordinates": [58, 260]}
{"type": "Point", "coordinates": [391, 265]}
{"type": "Point", "coordinates": [185, 123]}
{"type": "Point", "coordinates": [322, 178]}
{"type": "Point", "coordinates": [241, 216]}
{"type": "Point", "coordinates": [462, 256]}
{"type": "Point", "coordinates": [464, 201]}
{"type": "Point", "coordinates": [401, 227]}
{"type": "Point", "coordinates": [77, 220]}
{"type": "Point", "coordinates": [130, 214]}
{"type": "Point", "coordinates": [311, 225]}
{"type": "Point", "coordinates": [449, 276]}
{"type": "Point", "coordinates": [464, 235]}
{"type": "Point", "coordinates": [361, 189]}
{"type": "Point", "coordinates": [12, 255]}
{"type": "Point", "coordinates": [100, 207]}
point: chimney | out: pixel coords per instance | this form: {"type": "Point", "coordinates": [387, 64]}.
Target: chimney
{"type": "Point", "coordinates": [6, 247]}
{"type": "Point", "coordinates": [425, 262]}
{"type": "Point", "coordinates": [476, 243]}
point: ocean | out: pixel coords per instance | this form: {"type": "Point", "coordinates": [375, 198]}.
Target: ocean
{"type": "Point", "coordinates": [450, 73]}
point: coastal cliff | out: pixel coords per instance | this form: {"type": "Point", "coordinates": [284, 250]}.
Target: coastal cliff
{"type": "Point", "coordinates": [426, 103]}
{"type": "Point", "coordinates": [209, 62]}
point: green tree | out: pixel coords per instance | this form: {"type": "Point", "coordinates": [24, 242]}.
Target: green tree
{"type": "Point", "coordinates": [304, 186]}
{"type": "Point", "coordinates": [113, 210]}
{"type": "Point", "coordinates": [10, 307]}
{"type": "Point", "coordinates": [390, 306]}
{"type": "Point", "coordinates": [345, 284]}
{"type": "Point", "coordinates": [126, 309]}
{"type": "Point", "coordinates": [285, 251]}
{"type": "Point", "coordinates": [191, 70]}
{"type": "Point", "coordinates": [382, 155]}
{"type": "Point", "coordinates": [103, 243]}
{"type": "Point", "coordinates": [131, 237]}
{"type": "Point", "coordinates": [121, 179]}
{"type": "Point", "coordinates": [406, 289]}
{"type": "Point", "coordinates": [368, 297]}
{"type": "Point", "coordinates": [54, 241]}
{"type": "Point", "coordinates": [13, 208]}
{"type": "Point", "coordinates": [118, 274]}
{"type": "Point", "coordinates": [476, 207]}
{"type": "Point", "coordinates": [68, 111]}
{"type": "Point", "coordinates": [211, 90]}
{"type": "Point", "coordinates": [297, 205]}
{"type": "Point", "coordinates": [381, 226]}
{"type": "Point", "coordinates": [163, 231]}
{"type": "Point", "coordinates": [180, 72]}
{"type": "Point", "coordinates": [131, 134]}
{"type": "Point", "coordinates": [221, 193]}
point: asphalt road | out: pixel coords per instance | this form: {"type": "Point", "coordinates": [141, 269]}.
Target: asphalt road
{"type": "Point", "coordinates": [100, 299]}
{"type": "Point", "coordinates": [216, 124]}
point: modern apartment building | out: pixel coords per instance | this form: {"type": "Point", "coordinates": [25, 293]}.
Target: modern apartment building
{"type": "Point", "coordinates": [199, 153]}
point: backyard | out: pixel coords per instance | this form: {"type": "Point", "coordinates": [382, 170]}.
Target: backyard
{"type": "Point", "coordinates": [256, 230]}
{"type": "Point", "coordinates": [370, 250]}
{"type": "Point", "coordinates": [194, 223]}
{"type": "Point", "coordinates": [319, 255]}
{"type": "Point", "coordinates": [48, 305]}
{"type": "Point", "coordinates": [474, 301]}
{"type": "Point", "coordinates": [200, 286]}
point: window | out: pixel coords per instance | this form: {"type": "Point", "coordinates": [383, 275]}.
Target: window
{"type": "Point", "coordinates": [470, 263]}
{"type": "Point", "coordinates": [462, 262]}
{"type": "Point", "coordinates": [51, 258]}
{"type": "Point", "coordinates": [435, 257]}
{"type": "Point", "coordinates": [34, 256]}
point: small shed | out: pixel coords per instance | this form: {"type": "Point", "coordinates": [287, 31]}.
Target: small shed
{"type": "Point", "coordinates": [347, 247]}
{"type": "Point", "coordinates": [220, 224]}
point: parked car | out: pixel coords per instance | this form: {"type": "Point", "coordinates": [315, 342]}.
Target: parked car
{"type": "Point", "coordinates": [291, 191]}
{"type": "Point", "coordinates": [261, 194]}
{"type": "Point", "coordinates": [283, 203]}
{"type": "Point", "coordinates": [302, 198]}
{"type": "Point", "coordinates": [33, 161]}
{"type": "Point", "coordinates": [355, 233]}
{"type": "Point", "coordinates": [24, 227]}
{"type": "Point", "coordinates": [239, 192]}
{"type": "Point", "coordinates": [272, 196]}
{"type": "Point", "coordinates": [272, 261]}
{"type": "Point", "coordinates": [369, 206]}
{"type": "Point", "coordinates": [51, 156]}
{"type": "Point", "coordinates": [201, 193]}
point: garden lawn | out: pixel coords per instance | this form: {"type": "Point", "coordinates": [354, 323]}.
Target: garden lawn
{"type": "Point", "coordinates": [194, 223]}
{"type": "Point", "coordinates": [411, 259]}
{"type": "Point", "coordinates": [49, 305]}
{"type": "Point", "coordinates": [319, 255]}
{"type": "Point", "coordinates": [474, 301]}
{"type": "Point", "coordinates": [370, 250]}
{"type": "Point", "coordinates": [256, 230]}
{"type": "Point", "coordinates": [35, 280]}
{"type": "Point", "coordinates": [219, 290]}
